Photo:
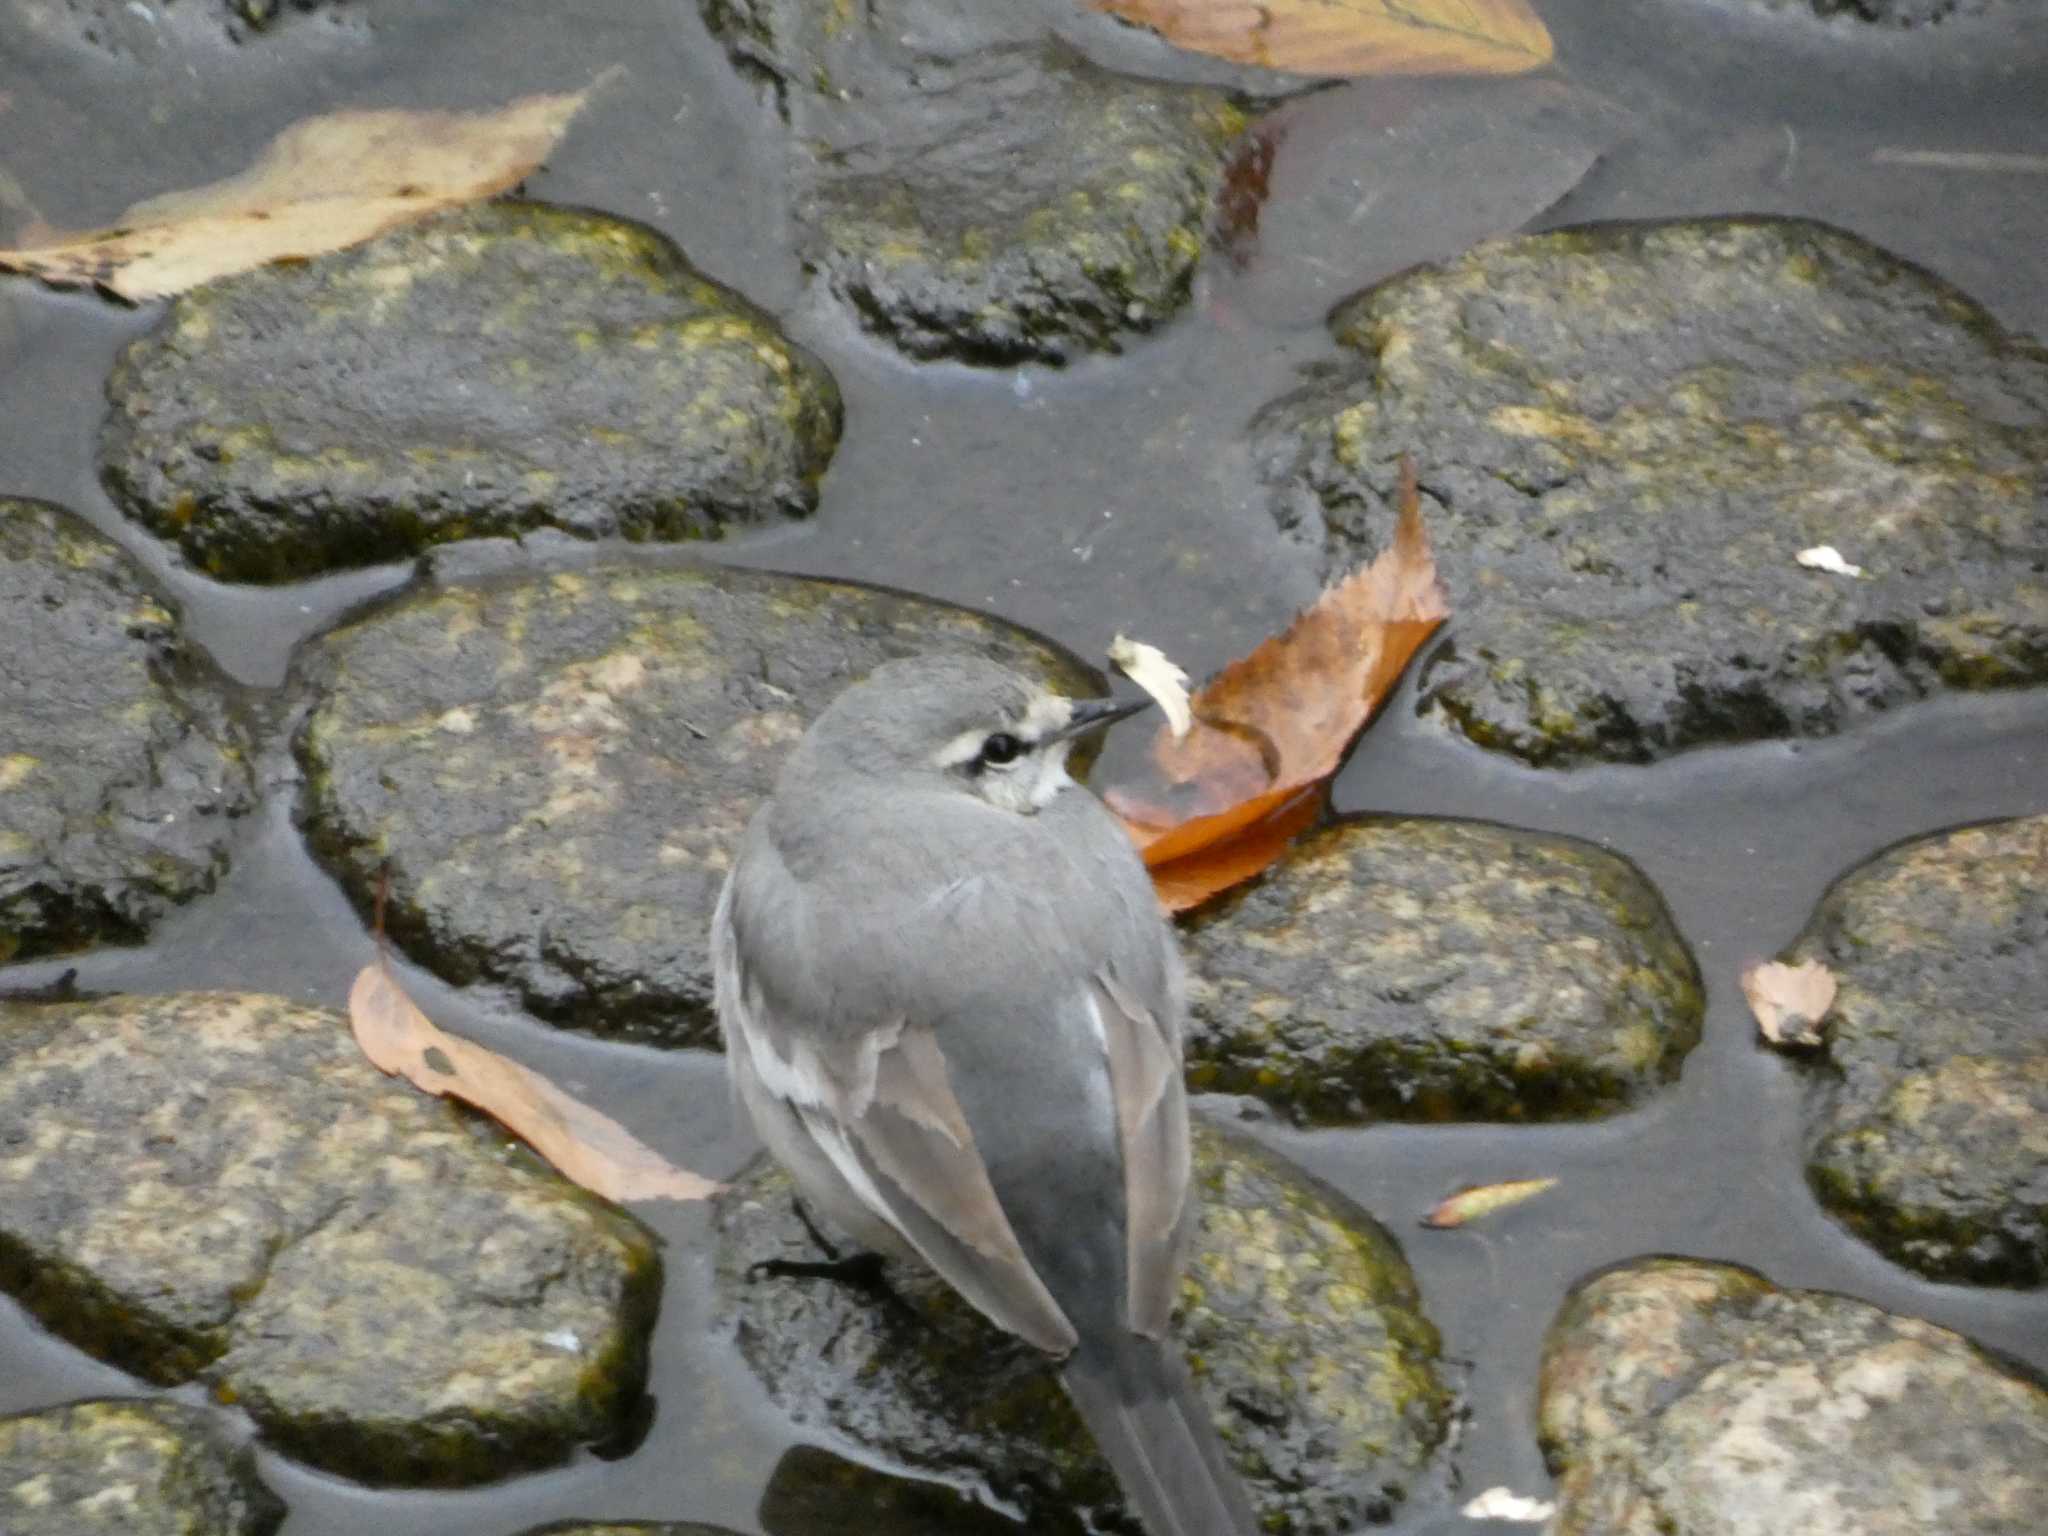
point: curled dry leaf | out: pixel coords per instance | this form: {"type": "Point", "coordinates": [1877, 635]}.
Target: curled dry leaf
{"type": "Point", "coordinates": [323, 184]}
{"type": "Point", "coordinates": [589, 1148]}
{"type": "Point", "coordinates": [1790, 1001]}
{"type": "Point", "coordinates": [1479, 1200]}
{"type": "Point", "coordinates": [1352, 37]}
{"type": "Point", "coordinates": [1147, 666]}
{"type": "Point", "coordinates": [1271, 728]}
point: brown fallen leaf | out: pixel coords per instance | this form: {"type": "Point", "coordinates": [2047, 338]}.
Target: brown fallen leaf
{"type": "Point", "coordinates": [1790, 1001]}
{"type": "Point", "coordinates": [1352, 37]}
{"type": "Point", "coordinates": [589, 1148]}
{"type": "Point", "coordinates": [1484, 1200]}
{"type": "Point", "coordinates": [323, 184]}
{"type": "Point", "coordinates": [1271, 728]}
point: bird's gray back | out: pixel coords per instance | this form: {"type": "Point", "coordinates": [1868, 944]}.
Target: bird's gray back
{"type": "Point", "coordinates": [875, 903]}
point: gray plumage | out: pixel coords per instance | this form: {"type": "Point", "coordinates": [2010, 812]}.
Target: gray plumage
{"type": "Point", "coordinates": [953, 1011]}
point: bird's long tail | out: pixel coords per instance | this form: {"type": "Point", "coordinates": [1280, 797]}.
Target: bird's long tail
{"type": "Point", "coordinates": [1157, 1437]}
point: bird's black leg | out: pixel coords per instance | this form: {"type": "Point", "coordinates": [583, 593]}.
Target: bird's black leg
{"type": "Point", "coordinates": [860, 1270]}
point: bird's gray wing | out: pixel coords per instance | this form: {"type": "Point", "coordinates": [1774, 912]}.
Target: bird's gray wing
{"type": "Point", "coordinates": [1144, 1054]}
{"type": "Point", "coordinates": [878, 1102]}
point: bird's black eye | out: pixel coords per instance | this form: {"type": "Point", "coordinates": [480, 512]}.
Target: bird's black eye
{"type": "Point", "coordinates": [1001, 748]}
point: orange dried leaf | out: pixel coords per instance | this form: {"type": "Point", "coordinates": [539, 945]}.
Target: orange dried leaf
{"type": "Point", "coordinates": [1192, 878]}
{"type": "Point", "coordinates": [1353, 37]}
{"type": "Point", "coordinates": [584, 1146]}
{"type": "Point", "coordinates": [1483, 1200]}
{"type": "Point", "coordinates": [321, 185]}
{"type": "Point", "coordinates": [1275, 725]}
{"type": "Point", "coordinates": [1790, 1001]}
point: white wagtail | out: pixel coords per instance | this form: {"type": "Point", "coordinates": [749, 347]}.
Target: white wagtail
{"type": "Point", "coordinates": [953, 1010]}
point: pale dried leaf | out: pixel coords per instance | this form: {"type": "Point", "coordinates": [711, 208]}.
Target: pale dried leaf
{"type": "Point", "coordinates": [1147, 666]}
{"type": "Point", "coordinates": [1790, 1001]}
{"type": "Point", "coordinates": [587, 1147]}
{"type": "Point", "coordinates": [1825, 557]}
{"type": "Point", "coordinates": [1506, 1504]}
{"type": "Point", "coordinates": [321, 185]}
{"type": "Point", "coordinates": [1484, 1200]}
{"type": "Point", "coordinates": [1352, 37]}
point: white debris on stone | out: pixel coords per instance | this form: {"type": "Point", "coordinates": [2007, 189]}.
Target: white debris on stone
{"type": "Point", "coordinates": [1825, 557]}
{"type": "Point", "coordinates": [1506, 1504]}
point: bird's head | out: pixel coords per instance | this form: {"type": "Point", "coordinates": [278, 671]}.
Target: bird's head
{"type": "Point", "coordinates": [960, 722]}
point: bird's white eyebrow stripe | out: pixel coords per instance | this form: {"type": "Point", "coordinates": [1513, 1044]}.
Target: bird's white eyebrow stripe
{"type": "Point", "coordinates": [964, 748]}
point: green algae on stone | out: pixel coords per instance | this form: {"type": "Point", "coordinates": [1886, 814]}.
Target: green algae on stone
{"type": "Point", "coordinates": [555, 765]}
{"type": "Point", "coordinates": [1298, 1314]}
{"type": "Point", "coordinates": [121, 767]}
{"type": "Point", "coordinates": [503, 368]}
{"type": "Point", "coordinates": [219, 1187]}
{"type": "Point", "coordinates": [976, 189]}
{"type": "Point", "coordinates": [1929, 1128]}
{"type": "Point", "coordinates": [1422, 969]}
{"type": "Point", "coordinates": [811, 1490]}
{"type": "Point", "coordinates": [128, 1467]}
{"type": "Point", "coordinates": [1627, 433]}
{"type": "Point", "coordinates": [1680, 1397]}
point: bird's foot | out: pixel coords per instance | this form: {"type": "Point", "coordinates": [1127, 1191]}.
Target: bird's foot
{"type": "Point", "coordinates": [863, 1271]}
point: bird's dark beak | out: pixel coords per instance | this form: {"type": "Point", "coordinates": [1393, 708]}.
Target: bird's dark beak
{"type": "Point", "coordinates": [1092, 715]}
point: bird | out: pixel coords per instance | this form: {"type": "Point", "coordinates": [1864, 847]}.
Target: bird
{"type": "Point", "coordinates": [952, 1009]}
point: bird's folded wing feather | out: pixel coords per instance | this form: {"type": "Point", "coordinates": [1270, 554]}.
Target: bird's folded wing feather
{"type": "Point", "coordinates": [1152, 1128]}
{"type": "Point", "coordinates": [883, 1110]}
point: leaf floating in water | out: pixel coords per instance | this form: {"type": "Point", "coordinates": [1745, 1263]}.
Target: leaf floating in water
{"type": "Point", "coordinates": [1353, 37]}
{"type": "Point", "coordinates": [1468, 1205]}
{"type": "Point", "coordinates": [1147, 666]}
{"type": "Point", "coordinates": [1271, 727]}
{"type": "Point", "coordinates": [1790, 1001]}
{"type": "Point", "coordinates": [586, 1147]}
{"type": "Point", "coordinates": [323, 184]}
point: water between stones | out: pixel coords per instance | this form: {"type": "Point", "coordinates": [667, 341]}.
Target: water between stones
{"type": "Point", "coordinates": [1118, 493]}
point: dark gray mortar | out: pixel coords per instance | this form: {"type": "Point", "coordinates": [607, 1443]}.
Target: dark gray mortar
{"type": "Point", "coordinates": [1298, 1314]}
{"type": "Point", "coordinates": [219, 1187]}
{"type": "Point", "coordinates": [629, 1528]}
{"type": "Point", "coordinates": [1409, 968]}
{"type": "Point", "coordinates": [1627, 432]}
{"type": "Point", "coordinates": [121, 767]}
{"type": "Point", "coordinates": [1929, 1114]}
{"type": "Point", "coordinates": [1685, 1398]}
{"type": "Point", "coordinates": [125, 1467]}
{"type": "Point", "coordinates": [555, 766]}
{"type": "Point", "coordinates": [502, 368]}
{"type": "Point", "coordinates": [974, 188]}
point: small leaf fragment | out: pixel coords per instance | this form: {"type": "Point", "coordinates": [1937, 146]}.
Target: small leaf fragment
{"type": "Point", "coordinates": [1147, 666]}
{"type": "Point", "coordinates": [1505, 1504]}
{"type": "Point", "coordinates": [1479, 1200]}
{"type": "Point", "coordinates": [1790, 1001]}
{"type": "Point", "coordinates": [1352, 37]}
{"type": "Point", "coordinates": [587, 1147]}
{"type": "Point", "coordinates": [1825, 557]}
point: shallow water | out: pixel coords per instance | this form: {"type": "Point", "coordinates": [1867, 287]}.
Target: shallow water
{"type": "Point", "coordinates": [1117, 494]}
